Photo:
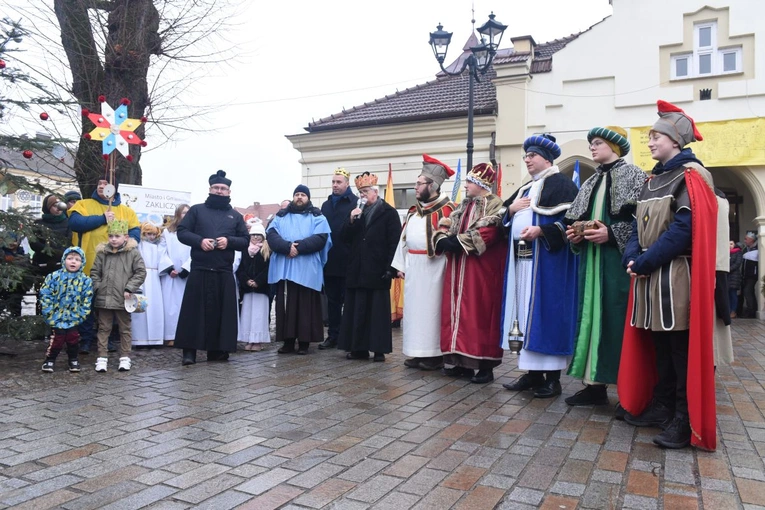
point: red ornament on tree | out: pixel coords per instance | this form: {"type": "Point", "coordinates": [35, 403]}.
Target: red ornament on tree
{"type": "Point", "coordinates": [87, 136]}
{"type": "Point", "coordinates": [125, 101]}
{"type": "Point", "coordinates": [105, 156]}
{"type": "Point", "coordinates": [27, 154]}
{"type": "Point", "coordinates": [85, 112]}
{"type": "Point", "coordinates": [144, 144]}
{"type": "Point", "coordinates": [44, 116]}
{"type": "Point", "coordinates": [2, 64]}
{"type": "Point", "coordinates": [144, 119]}
{"type": "Point", "coordinates": [102, 98]}
{"type": "Point", "coordinates": [129, 157]}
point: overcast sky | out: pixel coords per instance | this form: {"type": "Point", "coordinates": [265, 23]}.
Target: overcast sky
{"type": "Point", "coordinates": [303, 60]}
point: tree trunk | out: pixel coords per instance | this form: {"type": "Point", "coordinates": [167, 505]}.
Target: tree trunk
{"type": "Point", "coordinates": [131, 38]}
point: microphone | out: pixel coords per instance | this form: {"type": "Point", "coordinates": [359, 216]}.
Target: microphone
{"type": "Point", "coordinates": [360, 205]}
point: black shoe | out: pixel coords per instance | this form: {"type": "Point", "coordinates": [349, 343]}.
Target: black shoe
{"type": "Point", "coordinates": [430, 365]}
{"type": "Point", "coordinates": [286, 349]}
{"type": "Point", "coordinates": [619, 412]}
{"type": "Point", "coordinates": [483, 377]}
{"type": "Point", "coordinates": [591, 395]}
{"type": "Point", "coordinates": [357, 355]}
{"type": "Point", "coordinates": [457, 372]}
{"type": "Point", "coordinates": [525, 382]}
{"type": "Point", "coordinates": [329, 343]}
{"type": "Point", "coordinates": [549, 389]}
{"type": "Point", "coordinates": [676, 435]}
{"type": "Point", "coordinates": [74, 365]}
{"type": "Point", "coordinates": [655, 415]}
{"type": "Point", "coordinates": [412, 363]}
{"type": "Point", "coordinates": [378, 357]}
{"type": "Point", "coordinates": [48, 366]}
{"type": "Point", "coordinates": [189, 357]}
{"type": "Point", "coordinates": [217, 356]}
{"type": "Point", "coordinates": [302, 351]}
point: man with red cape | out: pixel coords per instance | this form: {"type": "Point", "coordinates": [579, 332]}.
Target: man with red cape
{"type": "Point", "coordinates": [473, 240]}
{"type": "Point", "coordinates": [666, 376]}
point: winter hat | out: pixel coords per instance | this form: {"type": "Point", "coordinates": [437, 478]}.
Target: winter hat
{"type": "Point", "coordinates": [676, 124]}
{"type": "Point", "coordinates": [257, 229]}
{"type": "Point", "coordinates": [78, 251]}
{"type": "Point", "coordinates": [72, 195]}
{"type": "Point", "coordinates": [544, 145]}
{"type": "Point", "coordinates": [302, 188]}
{"type": "Point", "coordinates": [219, 177]}
{"type": "Point", "coordinates": [614, 136]}
{"type": "Point", "coordinates": [49, 202]}
{"type": "Point", "coordinates": [435, 170]}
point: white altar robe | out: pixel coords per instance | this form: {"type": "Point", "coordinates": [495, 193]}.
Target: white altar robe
{"type": "Point", "coordinates": [172, 288]}
{"type": "Point", "coordinates": [423, 286]}
{"type": "Point", "coordinates": [149, 327]}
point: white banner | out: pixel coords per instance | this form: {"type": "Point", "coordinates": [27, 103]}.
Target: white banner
{"type": "Point", "coordinates": [154, 205]}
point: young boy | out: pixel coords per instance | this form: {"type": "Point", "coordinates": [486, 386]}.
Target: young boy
{"type": "Point", "coordinates": [65, 298]}
{"type": "Point", "coordinates": [117, 273]}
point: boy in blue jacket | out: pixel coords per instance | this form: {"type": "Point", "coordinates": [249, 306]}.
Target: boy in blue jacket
{"type": "Point", "coordinates": [66, 298]}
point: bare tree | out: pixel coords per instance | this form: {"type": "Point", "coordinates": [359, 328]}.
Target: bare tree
{"type": "Point", "coordinates": [144, 50]}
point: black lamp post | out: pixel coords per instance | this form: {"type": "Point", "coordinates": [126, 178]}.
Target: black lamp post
{"type": "Point", "coordinates": [477, 63]}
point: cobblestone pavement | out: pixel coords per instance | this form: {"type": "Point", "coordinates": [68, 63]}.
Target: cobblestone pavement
{"type": "Point", "coordinates": [284, 431]}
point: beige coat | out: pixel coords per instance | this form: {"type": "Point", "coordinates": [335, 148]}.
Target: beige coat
{"type": "Point", "coordinates": [114, 272]}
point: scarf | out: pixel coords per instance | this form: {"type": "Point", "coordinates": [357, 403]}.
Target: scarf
{"type": "Point", "coordinates": [53, 218]}
{"type": "Point", "coordinates": [680, 160]}
{"type": "Point", "coordinates": [218, 202]}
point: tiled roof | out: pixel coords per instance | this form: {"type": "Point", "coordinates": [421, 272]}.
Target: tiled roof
{"type": "Point", "coordinates": [445, 97]}
{"type": "Point", "coordinates": [42, 162]}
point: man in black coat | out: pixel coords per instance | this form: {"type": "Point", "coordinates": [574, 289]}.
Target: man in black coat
{"type": "Point", "coordinates": [208, 316]}
{"type": "Point", "coordinates": [336, 209]}
{"type": "Point", "coordinates": [373, 235]}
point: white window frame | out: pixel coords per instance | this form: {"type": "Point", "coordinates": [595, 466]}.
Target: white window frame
{"type": "Point", "coordinates": [6, 202]}
{"type": "Point", "coordinates": [716, 55]}
{"type": "Point", "coordinates": [35, 205]}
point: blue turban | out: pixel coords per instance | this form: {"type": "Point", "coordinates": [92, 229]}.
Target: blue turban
{"type": "Point", "coordinates": [544, 145]}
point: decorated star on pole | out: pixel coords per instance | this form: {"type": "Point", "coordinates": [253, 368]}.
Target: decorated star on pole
{"type": "Point", "coordinates": [114, 128]}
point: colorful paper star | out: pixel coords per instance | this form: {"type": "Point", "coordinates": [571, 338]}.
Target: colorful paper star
{"type": "Point", "coordinates": [114, 129]}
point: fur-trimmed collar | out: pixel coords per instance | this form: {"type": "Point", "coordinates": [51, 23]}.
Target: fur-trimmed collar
{"type": "Point", "coordinates": [104, 247]}
{"type": "Point", "coordinates": [539, 206]}
{"type": "Point", "coordinates": [625, 182]}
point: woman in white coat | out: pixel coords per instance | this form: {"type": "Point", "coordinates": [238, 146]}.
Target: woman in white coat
{"type": "Point", "coordinates": [174, 282]}
{"type": "Point", "coordinates": [148, 327]}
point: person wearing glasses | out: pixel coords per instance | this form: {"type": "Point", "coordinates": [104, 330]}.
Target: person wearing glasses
{"type": "Point", "coordinates": [541, 274]}
{"type": "Point", "coordinates": [208, 318]}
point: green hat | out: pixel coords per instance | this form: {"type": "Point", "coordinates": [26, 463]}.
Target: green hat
{"type": "Point", "coordinates": [616, 136]}
{"type": "Point", "coordinates": [118, 227]}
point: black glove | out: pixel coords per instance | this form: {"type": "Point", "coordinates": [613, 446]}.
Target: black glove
{"type": "Point", "coordinates": [183, 274]}
{"type": "Point", "coordinates": [449, 244]}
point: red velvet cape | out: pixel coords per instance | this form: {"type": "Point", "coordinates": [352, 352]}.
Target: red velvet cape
{"type": "Point", "coordinates": [637, 371]}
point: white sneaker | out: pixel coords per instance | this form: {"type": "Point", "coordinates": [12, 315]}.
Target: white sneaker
{"type": "Point", "coordinates": [101, 364]}
{"type": "Point", "coordinates": [124, 364]}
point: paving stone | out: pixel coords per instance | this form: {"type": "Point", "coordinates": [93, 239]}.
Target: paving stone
{"type": "Point", "coordinates": [440, 497]}
{"type": "Point", "coordinates": [374, 489]}
{"type": "Point", "coordinates": [196, 476]}
{"type": "Point", "coordinates": [224, 501]}
{"type": "Point", "coordinates": [36, 490]}
{"type": "Point", "coordinates": [406, 466]}
{"type": "Point", "coordinates": [640, 502]}
{"type": "Point", "coordinates": [364, 470]}
{"type": "Point", "coordinates": [325, 493]}
{"type": "Point", "coordinates": [208, 488]}
{"type": "Point", "coordinates": [266, 481]}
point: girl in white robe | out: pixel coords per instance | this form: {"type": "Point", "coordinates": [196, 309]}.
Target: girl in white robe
{"type": "Point", "coordinates": [149, 327]}
{"type": "Point", "coordinates": [252, 275]}
{"type": "Point", "coordinates": [174, 282]}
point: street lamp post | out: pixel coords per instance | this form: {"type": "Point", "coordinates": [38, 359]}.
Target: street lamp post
{"type": "Point", "coordinates": [477, 63]}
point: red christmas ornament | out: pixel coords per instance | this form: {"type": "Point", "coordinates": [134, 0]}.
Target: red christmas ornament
{"type": "Point", "coordinates": [102, 98]}
{"type": "Point", "coordinates": [129, 157]}
{"type": "Point", "coordinates": [2, 64]}
{"type": "Point", "coordinates": [85, 112]}
{"type": "Point", "coordinates": [27, 154]}
{"type": "Point", "coordinates": [125, 101]}
{"type": "Point", "coordinates": [144, 119]}
{"type": "Point", "coordinates": [87, 136]}
{"type": "Point", "coordinates": [105, 156]}
{"type": "Point", "coordinates": [144, 144]}
{"type": "Point", "coordinates": [44, 116]}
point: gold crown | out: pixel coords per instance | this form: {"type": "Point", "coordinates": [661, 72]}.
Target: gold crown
{"type": "Point", "coordinates": [366, 180]}
{"type": "Point", "coordinates": [342, 171]}
{"type": "Point", "coordinates": [117, 227]}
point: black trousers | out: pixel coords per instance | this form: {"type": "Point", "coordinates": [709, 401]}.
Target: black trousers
{"type": "Point", "coordinates": [334, 289]}
{"type": "Point", "coordinates": [672, 368]}
{"type": "Point", "coordinates": [749, 297]}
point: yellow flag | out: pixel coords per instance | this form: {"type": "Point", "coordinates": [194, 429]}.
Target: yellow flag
{"type": "Point", "coordinates": [397, 286]}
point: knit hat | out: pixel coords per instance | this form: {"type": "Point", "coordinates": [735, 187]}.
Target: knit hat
{"type": "Point", "coordinates": [302, 188]}
{"type": "Point", "coordinates": [365, 180]}
{"type": "Point", "coordinates": [257, 229]}
{"type": "Point", "coordinates": [78, 251]}
{"type": "Point", "coordinates": [117, 227]}
{"type": "Point", "coordinates": [49, 202]}
{"type": "Point", "coordinates": [676, 124]}
{"type": "Point", "coordinates": [544, 145]}
{"type": "Point", "coordinates": [435, 170]}
{"type": "Point", "coordinates": [72, 195]}
{"type": "Point", "coordinates": [219, 177]}
{"type": "Point", "coordinates": [614, 136]}
{"type": "Point", "coordinates": [483, 175]}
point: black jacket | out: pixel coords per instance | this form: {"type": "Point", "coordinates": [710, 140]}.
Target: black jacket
{"type": "Point", "coordinates": [253, 268]}
{"type": "Point", "coordinates": [372, 247]}
{"type": "Point", "coordinates": [337, 214]}
{"type": "Point", "coordinates": [204, 222]}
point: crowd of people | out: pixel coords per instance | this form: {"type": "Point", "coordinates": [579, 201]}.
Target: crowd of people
{"type": "Point", "coordinates": [594, 280]}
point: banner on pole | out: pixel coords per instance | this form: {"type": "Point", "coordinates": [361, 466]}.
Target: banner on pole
{"type": "Point", "coordinates": [151, 204]}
